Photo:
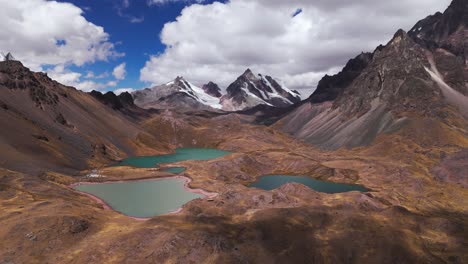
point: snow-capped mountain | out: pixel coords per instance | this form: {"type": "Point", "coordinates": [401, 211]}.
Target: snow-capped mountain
{"type": "Point", "coordinates": [250, 90]}
{"type": "Point", "coordinates": [179, 94]}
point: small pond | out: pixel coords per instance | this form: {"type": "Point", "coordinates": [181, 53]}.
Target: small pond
{"type": "Point", "coordinates": [274, 181]}
{"type": "Point", "coordinates": [182, 154]}
{"type": "Point", "coordinates": [142, 198]}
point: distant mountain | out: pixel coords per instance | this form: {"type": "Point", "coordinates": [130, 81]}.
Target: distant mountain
{"type": "Point", "coordinates": [412, 85]}
{"type": "Point", "coordinates": [177, 94]}
{"type": "Point", "coordinates": [212, 89]}
{"type": "Point", "coordinates": [250, 90]}
{"type": "Point", "coordinates": [117, 102]}
{"type": "Point", "coordinates": [122, 103]}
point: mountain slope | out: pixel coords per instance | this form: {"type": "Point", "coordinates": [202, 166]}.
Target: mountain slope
{"type": "Point", "coordinates": [250, 90]}
{"type": "Point", "coordinates": [178, 94]}
{"type": "Point", "coordinates": [48, 126]}
{"type": "Point", "coordinates": [330, 87]}
{"type": "Point", "coordinates": [446, 36]}
{"type": "Point", "coordinates": [403, 84]}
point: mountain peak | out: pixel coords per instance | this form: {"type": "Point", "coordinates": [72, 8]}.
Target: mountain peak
{"type": "Point", "coordinates": [399, 36]}
{"type": "Point", "coordinates": [446, 30]}
{"type": "Point", "coordinates": [400, 33]}
{"type": "Point", "coordinates": [212, 89]}
{"type": "Point", "coordinates": [11, 66]}
{"type": "Point", "coordinates": [249, 74]}
{"type": "Point", "coordinates": [179, 93]}
{"type": "Point", "coordinates": [250, 90]}
{"type": "Point", "coordinates": [179, 79]}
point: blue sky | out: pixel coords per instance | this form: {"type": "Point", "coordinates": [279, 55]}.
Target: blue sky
{"type": "Point", "coordinates": [81, 43]}
{"type": "Point", "coordinates": [137, 39]}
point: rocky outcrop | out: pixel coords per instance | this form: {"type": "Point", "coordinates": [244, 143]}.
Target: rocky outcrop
{"type": "Point", "coordinates": [116, 102]}
{"type": "Point", "coordinates": [446, 30]}
{"type": "Point", "coordinates": [13, 75]}
{"type": "Point", "coordinates": [329, 87]}
{"type": "Point", "coordinates": [446, 36]}
{"type": "Point", "coordinates": [212, 89]}
{"type": "Point", "coordinates": [250, 90]}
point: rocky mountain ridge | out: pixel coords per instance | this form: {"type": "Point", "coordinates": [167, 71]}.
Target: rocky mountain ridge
{"type": "Point", "coordinates": [400, 83]}
{"type": "Point", "coordinates": [251, 89]}
{"type": "Point", "coordinates": [177, 94]}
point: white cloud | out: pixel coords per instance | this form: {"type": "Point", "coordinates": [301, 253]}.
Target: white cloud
{"type": "Point", "coordinates": [92, 75]}
{"type": "Point", "coordinates": [159, 2]}
{"type": "Point", "coordinates": [44, 33]}
{"type": "Point", "coordinates": [40, 32]}
{"type": "Point", "coordinates": [111, 83]}
{"type": "Point", "coordinates": [122, 90]}
{"type": "Point", "coordinates": [119, 72]}
{"type": "Point", "coordinates": [219, 41]}
{"type": "Point", "coordinates": [70, 78]}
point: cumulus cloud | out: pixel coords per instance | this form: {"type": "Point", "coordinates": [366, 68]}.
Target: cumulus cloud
{"type": "Point", "coordinates": [123, 90]}
{"type": "Point", "coordinates": [159, 2]}
{"type": "Point", "coordinates": [92, 75]}
{"type": "Point", "coordinates": [40, 32]}
{"type": "Point", "coordinates": [44, 33]}
{"type": "Point", "coordinates": [119, 72]}
{"type": "Point", "coordinates": [219, 41]}
{"type": "Point", "coordinates": [74, 79]}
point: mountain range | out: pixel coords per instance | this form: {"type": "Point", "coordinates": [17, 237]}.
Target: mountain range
{"type": "Point", "coordinates": [249, 90]}
{"type": "Point", "coordinates": [394, 121]}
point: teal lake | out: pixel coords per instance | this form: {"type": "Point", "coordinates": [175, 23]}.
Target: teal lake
{"type": "Point", "coordinates": [175, 170]}
{"type": "Point", "coordinates": [275, 181]}
{"type": "Point", "coordinates": [142, 198]}
{"type": "Point", "coordinates": [182, 154]}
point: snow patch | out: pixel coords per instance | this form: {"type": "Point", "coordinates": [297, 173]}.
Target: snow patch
{"type": "Point", "coordinates": [205, 98]}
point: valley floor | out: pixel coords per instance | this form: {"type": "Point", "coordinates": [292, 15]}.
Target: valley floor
{"type": "Point", "coordinates": [408, 216]}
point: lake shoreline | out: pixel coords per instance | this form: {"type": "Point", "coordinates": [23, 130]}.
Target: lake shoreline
{"type": "Point", "coordinates": [106, 206]}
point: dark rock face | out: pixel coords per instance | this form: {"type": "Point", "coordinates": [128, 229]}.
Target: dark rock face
{"type": "Point", "coordinates": [446, 36]}
{"type": "Point", "coordinates": [446, 30]}
{"type": "Point", "coordinates": [250, 90]}
{"type": "Point", "coordinates": [330, 87]}
{"type": "Point", "coordinates": [396, 77]}
{"type": "Point", "coordinates": [212, 89]}
{"type": "Point", "coordinates": [126, 98]}
{"type": "Point", "coordinates": [116, 102]}
{"type": "Point", "coordinates": [75, 225]}
{"type": "Point", "coordinates": [13, 75]}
